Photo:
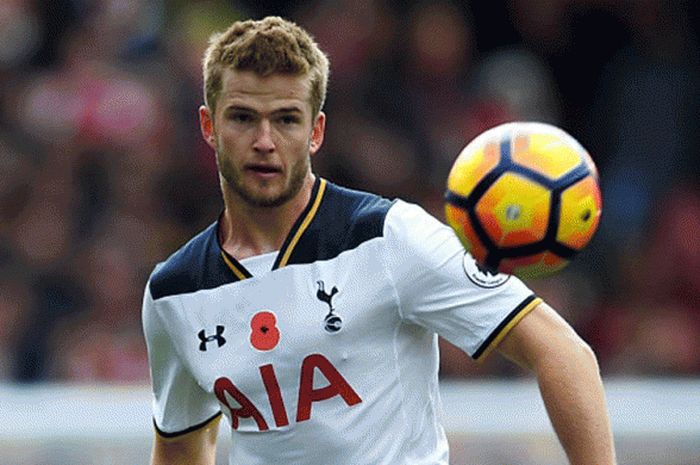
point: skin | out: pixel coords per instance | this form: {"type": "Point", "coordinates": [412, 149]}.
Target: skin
{"type": "Point", "coordinates": [264, 133]}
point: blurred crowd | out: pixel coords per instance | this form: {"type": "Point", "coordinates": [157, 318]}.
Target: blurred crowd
{"type": "Point", "coordinates": [103, 172]}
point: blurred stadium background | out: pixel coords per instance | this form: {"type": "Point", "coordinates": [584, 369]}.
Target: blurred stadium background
{"type": "Point", "coordinates": [103, 173]}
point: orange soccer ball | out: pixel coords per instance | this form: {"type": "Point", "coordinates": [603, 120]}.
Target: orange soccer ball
{"type": "Point", "coordinates": [523, 198]}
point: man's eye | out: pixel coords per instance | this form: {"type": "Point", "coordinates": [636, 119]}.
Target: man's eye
{"type": "Point", "coordinates": [241, 117]}
{"type": "Point", "coordinates": [289, 119]}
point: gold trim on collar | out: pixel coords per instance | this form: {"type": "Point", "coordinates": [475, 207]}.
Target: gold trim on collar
{"type": "Point", "coordinates": [304, 224]}
{"type": "Point", "coordinates": [239, 274]}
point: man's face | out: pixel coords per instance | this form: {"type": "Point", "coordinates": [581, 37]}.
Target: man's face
{"type": "Point", "coordinates": [263, 133]}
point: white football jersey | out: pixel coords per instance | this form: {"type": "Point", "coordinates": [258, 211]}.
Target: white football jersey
{"type": "Point", "coordinates": [330, 356]}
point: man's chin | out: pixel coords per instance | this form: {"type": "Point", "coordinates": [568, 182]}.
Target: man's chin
{"type": "Point", "coordinates": [265, 195]}
{"type": "Point", "coordinates": [265, 200]}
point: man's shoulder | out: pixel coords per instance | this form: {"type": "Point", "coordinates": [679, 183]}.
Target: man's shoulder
{"type": "Point", "coordinates": [373, 210]}
{"type": "Point", "coordinates": [192, 267]}
{"type": "Point", "coordinates": [358, 207]}
{"type": "Point", "coordinates": [346, 219]}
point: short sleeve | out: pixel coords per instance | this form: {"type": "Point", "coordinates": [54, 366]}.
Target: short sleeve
{"type": "Point", "coordinates": [180, 405]}
{"type": "Point", "coordinates": [440, 287]}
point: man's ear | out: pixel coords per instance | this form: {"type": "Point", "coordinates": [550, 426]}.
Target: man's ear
{"type": "Point", "coordinates": [317, 133]}
{"type": "Point", "coordinates": [206, 125]}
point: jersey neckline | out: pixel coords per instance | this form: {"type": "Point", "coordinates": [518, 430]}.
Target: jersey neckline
{"type": "Point", "coordinates": [298, 228]}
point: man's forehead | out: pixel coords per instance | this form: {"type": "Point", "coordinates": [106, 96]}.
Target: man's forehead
{"type": "Point", "coordinates": [276, 87]}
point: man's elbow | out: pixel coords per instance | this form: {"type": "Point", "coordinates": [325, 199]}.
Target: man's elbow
{"type": "Point", "coordinates": [543, 340]}
{"type": "Point", "coordinates": [571, 354]}
{"type": "Point", "coordinates": [587, 354]}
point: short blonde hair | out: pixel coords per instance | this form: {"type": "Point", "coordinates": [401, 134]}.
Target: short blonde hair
{"type": "Point", "coordinates": [268, 46]}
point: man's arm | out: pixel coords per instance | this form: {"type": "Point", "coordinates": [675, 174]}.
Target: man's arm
{"type": "Point", "coordinates": [570, 384]}
{"type": "Point", "coordinates": [196, 447]}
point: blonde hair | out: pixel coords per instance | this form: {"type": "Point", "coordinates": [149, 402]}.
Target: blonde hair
{"type": "Point", "coordinates": [268, 46]}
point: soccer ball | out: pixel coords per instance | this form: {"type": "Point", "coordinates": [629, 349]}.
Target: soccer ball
{"type": "Point", "coordinates": [523, 198]}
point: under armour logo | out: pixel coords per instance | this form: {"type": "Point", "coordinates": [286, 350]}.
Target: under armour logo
{"type": "Point", "coordinates": [218, 337]}
{"type": "Point", "coordinates": [332, 322]}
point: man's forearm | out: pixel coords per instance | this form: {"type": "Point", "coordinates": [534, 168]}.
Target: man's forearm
{"type": "Point", "coordinates": [573, 394]}
{"type": "Point", "coordinates": [569, 379]}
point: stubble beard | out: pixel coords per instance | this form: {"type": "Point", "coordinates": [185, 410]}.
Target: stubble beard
{"type": "Point", "coordinates": [256, 197]}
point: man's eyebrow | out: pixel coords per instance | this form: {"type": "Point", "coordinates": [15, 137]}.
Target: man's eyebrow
{"type": "Point", "coordinates": [288, 110]}
{"type": "Point", "coordinates": [292, 109]}
{"type": "Point", "coordinates": [239, 108]}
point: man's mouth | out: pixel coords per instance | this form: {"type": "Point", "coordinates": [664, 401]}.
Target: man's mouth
{"type": "Point", "coordinates": [264, 170]}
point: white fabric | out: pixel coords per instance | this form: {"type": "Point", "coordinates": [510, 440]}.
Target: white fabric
{"type": "Point", "coordinates": [394, 293]}
{"type": "Point", "coordinates": [259, 264]}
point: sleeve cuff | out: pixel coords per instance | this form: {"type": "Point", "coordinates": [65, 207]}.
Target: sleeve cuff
{"type": "Point", "coordinates": [191, 429]}
{"type": "Point", "coordinates": [508, 323]}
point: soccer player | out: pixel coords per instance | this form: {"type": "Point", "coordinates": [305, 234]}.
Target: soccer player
{"type": "Point", "coordinates": [308, 313]}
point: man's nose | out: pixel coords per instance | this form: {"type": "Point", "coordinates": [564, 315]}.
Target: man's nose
{"type": "Point", "coordinates": [263, 137]}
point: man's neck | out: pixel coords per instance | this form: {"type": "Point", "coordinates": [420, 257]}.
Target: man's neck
{"type": "Point", "coordinates": [248, 230]}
